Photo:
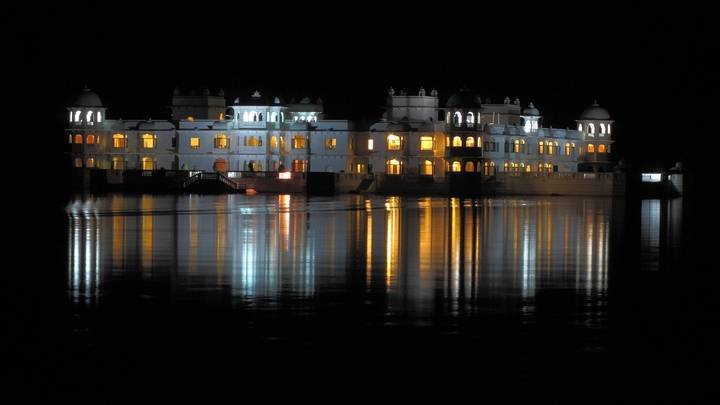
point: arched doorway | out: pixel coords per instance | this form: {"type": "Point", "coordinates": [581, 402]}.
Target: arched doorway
{"type": "Point", "coordinates": [220, 165]}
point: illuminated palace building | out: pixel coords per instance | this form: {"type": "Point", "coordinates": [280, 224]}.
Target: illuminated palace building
{"type": "Point", "coordinates": [415, 138]}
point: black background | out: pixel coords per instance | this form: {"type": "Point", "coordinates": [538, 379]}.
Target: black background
{"type": "Point", "coordinates": [648, 65]}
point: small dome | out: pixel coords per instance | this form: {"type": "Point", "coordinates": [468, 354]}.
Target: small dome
{"type": "Point", "coordinates": [87, 99]}
{"type": "Point", "coordinates": [464, 99]}
{"type": "Point", "coordinates": [531, 110]}
{"type": "Point", "coordinates": [595, 112]}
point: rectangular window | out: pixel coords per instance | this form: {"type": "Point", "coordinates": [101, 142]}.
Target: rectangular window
{"type": "Point", "coordinates": [298, 142]}
{"type": "Point", "coordinates": [222, 142]}
{"type": "Point", "coordinates": [194, 142]}
{"type": "Point", "coordinates": [426, 143]}
{"type": "Point", "coordinates": [330, 143]}
{"type": "Point", "coordinates": [299, 165]}
{"type": "Point", "coordinates": [370, 144]}
{"type": "Point", "coordinates": [148, 141]}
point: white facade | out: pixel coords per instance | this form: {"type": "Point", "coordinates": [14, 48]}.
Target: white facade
{"type": "Point", "coordinates": [416, 137]}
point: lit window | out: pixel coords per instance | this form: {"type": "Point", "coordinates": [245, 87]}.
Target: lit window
{"type": "Point", "coordinates": [190, 118]}
{"type": "Point", "coordinates": [568, 149]}
{"type": "Point", "coordinates": [252, 141]}
{"type": "Point", "coordinates": [426, 143]}
{"type": "Point", "coordinates": [222, 141]}
{"type": "Point", "coordinates": [528, 168]}
{"type": "Point", "coordinates": [591, 128]}
{"type": "Point", "coordinates": [426, 168]}
{"type": "Point", "coordinates": [516, 146]}
{"type": "Point", "coordinates": [77, 116]}
{"type": "Point", "coordinates": [506, 167]}
{"type": "Point", "coordinates": [393, 167]}
{"type": "Point", "coordinates": [147, 164]}
{"type": "Point", "coordinates": [118, 141]}
{"type": "Point", "coordinates": [469, 166]}
{"type": "Point", "coordinates": [221, 116]}
{"type": "Point", "coordinates": [470, 118]}
{"type": "Point", "coordinates": [330, 143]}
{"type": "Point", "coordinates": [90, 162]}
{"type": "Point", "coordinates": [457, 142]}
{"type": "Point", "coordinates": [298, 142]}
{"type": "Point", "coordinates": [71, 116]}
{"type": "Point", "coordinates": [393, 142]}
{"type": "Point", "coordinates": [273, 142]}
{"type": "Point", "coordinates": [89, 116]}
{"type": "Point", "coordinates": [488, 168]}
{"type": "Point", "coordinates": [608, 129]}
{"type": "Point", "coordinates": [541, 148]}
{"type": "Point", "coordinates": [591, 148]}
{"type": "Point", "coordinates": [99, 117]}
{"type": "Point", "coordinates": [456, 166]}
{"type": "Point", "coordinates": [118, 163]}
{"type": "Point", "coordinates": [551, 147]}
{"type": "Point", "coordinates": [78, 138]}
{"type": "Point", "coordinates": [602, 128]}
{"type": "Point", "coordinates": [70, 138]}
{"type": "Point", "coordinates": [194, 142]}
{"type": "Point", "coordinates": [601, 148]}
{"type": "Point", "coordinates": [148, 141]}
{"type": "Point", "coordinates": [580, 127]}
{"type": "Point", "coordinates": [457, 118]}
{"type": "Point", "coordinates": [470, 142]}
{"type": "Point", "coordinates": [90, 139]}
{"type": "Point", "coordinates": [78, 162]}
{"type": "Point", "coordinates": [370, 144]}
{"type": "Point", "coordinates": [299, 165]}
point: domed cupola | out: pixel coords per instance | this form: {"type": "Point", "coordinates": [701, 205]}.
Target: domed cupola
{"type": "Point", "coordinates": [86, 110]}
{"type": "Point", "coordinates": [530, 118]}
{"type": "Point", "coordinates": [595, 120]}
{"type": "Point", "coordinates": [462, 109]}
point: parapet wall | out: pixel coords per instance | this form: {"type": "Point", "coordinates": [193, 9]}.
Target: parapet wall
{"type": "Point", "coordinates": [589, 184]}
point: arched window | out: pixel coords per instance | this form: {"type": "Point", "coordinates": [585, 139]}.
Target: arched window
{"type": "Point", "coordinates": [78, 162]}
{"type": "Point", "coordinates": [90, 139]}
{"type": "Point", "coordinates": [506, 167]}
{"type": "Point", "coordinates": [488, 168]}
{"type": "Point", "coordinates": [147, 163]}
{"type": "Point", "coordinates": [392, 167]}
{"type": "Point", "coordinates": [591, 128]}
{"type": "Point", "coordinates": [591, 148]}
{"type": "Point", "coordinates": [148, 141]}
{"type": "Point", "coordinates": [457, 142]}
{"type": "Point", "coordinates": [426, 168]}
{"type": "Point", "coordinates": [541, 148]}
{"type": "Point", "coordinates": [77, 116]}
{"type": "Point", "coordinates": [99, 117]}
{"type": "Point", "coordinates": [469, 166]}
{"type": "Point", "coordinates": [90, 162]}
{"type": "Point", "coordinates": [552, 147]}
{"type": "Point", "coordinates": [568, 149]}
{"type": "Point", "coordinates": [528, 168]}
{"type": "Point", "coordinates": [89, 116]}
{"type": "Point", "coordinates": [456, 166]}
{"type": "Point", "coordinates": [457, 118]}
{"type": "Point", "coordinates": [222, 141]}
{"type": "Point", "coordinates": [608, 128]}
{"type": "Point", "coordinates": [119, 141]}
{"type": "Point", "coordinates": [393, 142]}
{"type": "Point", "coordinates": [118, 163]}
{"type": "Point", "coordinates": [470, 142]}
{"type": "Point", "coordinates": [516, 146]}
{"type": "Point", "coordinates": [602, 128]}
{"type": "Point", "coordinates": [78, 138]}
{"type": "Point", "coordinates": [260, 117]}
{"type": "Point", "coordinates": [601, 148]}
{"type": "Point", "coordinates": [580, 127]}
{"type": "Point", "coordinates": [273, 142]}
{"type": "Point", "coordinates": [470, 119]}
{"type": "Point", "coordinates": [299, 165]}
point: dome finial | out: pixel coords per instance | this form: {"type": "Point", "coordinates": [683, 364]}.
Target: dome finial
{"type": "Point", "coordinates": [595, 103]}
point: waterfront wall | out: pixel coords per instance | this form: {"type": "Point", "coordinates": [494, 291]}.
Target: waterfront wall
{"type": "Point", "coordinates": [588, 184]}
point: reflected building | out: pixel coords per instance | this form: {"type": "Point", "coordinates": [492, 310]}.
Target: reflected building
{"type": "Point", "coordinates": [420, 254]}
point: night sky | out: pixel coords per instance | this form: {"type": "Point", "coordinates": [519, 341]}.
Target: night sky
{"type": "Point", "coordinates": [647, 67]}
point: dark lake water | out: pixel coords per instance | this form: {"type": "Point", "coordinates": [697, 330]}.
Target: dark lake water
{"type": "Point", "coordinates": [174, 296]}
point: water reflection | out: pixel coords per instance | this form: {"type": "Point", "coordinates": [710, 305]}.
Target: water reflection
{"type": "Point", "coordinates": [420, 254]}
{"type": "Point", "coordinates": [660, 231]}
